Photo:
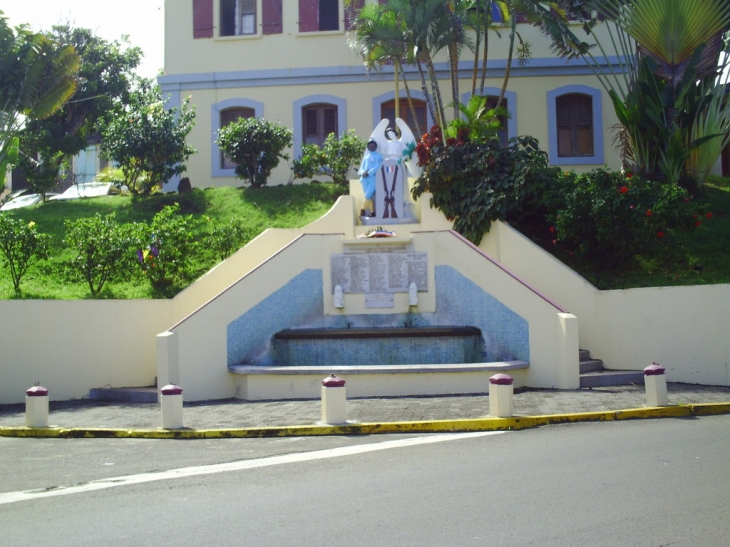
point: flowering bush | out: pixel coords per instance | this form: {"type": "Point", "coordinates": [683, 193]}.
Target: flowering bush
{"type": "Point", "coordinates": [164, 259]}
{"type": "Point", "coordinates": [608, 216]}
{"type": "Point", "coordinates": [477, 181]}
{"type": "Point", "coordinates": [21, 246]}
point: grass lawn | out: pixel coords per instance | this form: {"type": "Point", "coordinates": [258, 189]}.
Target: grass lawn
{"type": "Point", "coordinates": [269, 207]}
{"type": "Point", "coordinates": [701, 257]}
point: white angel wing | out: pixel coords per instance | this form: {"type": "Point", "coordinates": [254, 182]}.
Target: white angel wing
{"type": "Point", "coordinates": [407, 138]}
{"type": "Point", "coordinates": [378, 135]}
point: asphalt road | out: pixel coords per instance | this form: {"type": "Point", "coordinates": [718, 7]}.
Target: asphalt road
{"type": "Point", "coordinates": [638, 483]}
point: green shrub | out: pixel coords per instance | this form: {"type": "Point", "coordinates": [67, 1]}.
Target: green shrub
{"type": "Point", "coordinates": [102, 249]}
{"type": "Point", "coordinates": [21, 246]}
{"type": "Point", "coordinates": [475, 182]}
{"type": "Point", "coordinates": [607, 216]}
{"type": "Point", "coordinates": [166, 258]}
{"type": "Point", "coordinates": [255, 145]}
{"type": "Point", "coordinates": [336, 158]}
{"type": "Point", "coordinates": [226, 239]}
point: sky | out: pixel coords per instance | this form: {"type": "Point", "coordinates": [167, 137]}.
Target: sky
{"type": "Point", "coordinates": [142, 20]}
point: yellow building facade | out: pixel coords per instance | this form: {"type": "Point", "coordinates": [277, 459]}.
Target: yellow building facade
{"type": "Point", "coordinates": [289, 61]}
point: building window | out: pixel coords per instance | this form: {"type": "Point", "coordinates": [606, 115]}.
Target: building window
{"type": "Point", "coordinates": [319, 15]}
{"type": "Point", "coordinates": [575, 126]}
{"type": "Point", "coordinates": [502, 131]}
{"type": "Point", "coordinates": [319, 120]}
{"type": "Point", "coordinates": [237, 17]}
{"type": "Point", "coordinates": [419, 126]}
{"type": "Point", "coordinates": [230, 115]}
{"type": "Point", "coordinates": [574, 120]}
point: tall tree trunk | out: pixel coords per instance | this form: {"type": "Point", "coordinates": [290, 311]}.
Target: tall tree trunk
{"type": "Point", "coordinates": [508, 69]}
{"type": "Point", "coordinates": [410, 102]}
{"type": "Point", "coordinates": [484, 57]}
{"type": "Point", "coordinates": [454, 69]}
{"type": "Point", "coordinates": [475, 67]}
{"type": "Point", "coordinates": [436, 90]}
{"type": "Point", "coordinates": [426, 94]}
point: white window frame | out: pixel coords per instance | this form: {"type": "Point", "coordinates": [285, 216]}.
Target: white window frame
{"type": "Point", "coordinates": [238, 36]}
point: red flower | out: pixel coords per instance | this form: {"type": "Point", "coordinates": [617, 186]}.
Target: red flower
{"type": "Point", "coordinates": [709, 215]}
{"type": "Point", "coordinates": [629, 175]}
{"type": "Point", "coordinates": [623, 189]}
{"type": "Point", "coordinates": [631, 207]}
{"type": "Point", "coordinates": [698, 223]}
{"type": "Point", "coordinates": [551, 229]}
{"type": "Point", "coordinates": [660, 234]}
{"type": "Point", "coordinates": [648, 213]}
{"type": "Point", "coordinates": [555, 241]}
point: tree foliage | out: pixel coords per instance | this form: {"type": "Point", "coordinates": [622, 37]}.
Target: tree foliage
{"type": "Point", "coordinates": [256, 146]}
{"type": "Point", "coordinates": [474, 182]}
{"type": "Point", "coordinates": [413, 32]}
{"type": "Point", "coordinates": [105, 79]}
{"type": "Point", "coordinates": [147, 140]}
{"type": "Point", "coordinates": [336, 158]}
{"type": "Point", "coordinates": [37, 76]}
{"type": "Point", "coordinates": [663, 50]}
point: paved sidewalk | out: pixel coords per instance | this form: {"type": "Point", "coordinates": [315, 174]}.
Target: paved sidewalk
{"type": "Point", "coordinates": [233, 413]}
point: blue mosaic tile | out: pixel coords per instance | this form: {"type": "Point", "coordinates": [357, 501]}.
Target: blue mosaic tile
{"type": "Point", "coordinates": [300, 300]}
{"type": "Point", "coordinates": [506, 334]}
{"type": "Point", "coordinates": [299, 304]}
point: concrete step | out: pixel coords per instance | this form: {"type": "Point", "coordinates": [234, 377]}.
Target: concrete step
{"type": "Point", "coordinates": [584, 355]}
{"type": "Point", "coordinates": [124, 394]}
{"type": "Point", "coordinates": [612, 378]}
{"type": "Point", "coordinates": [590, 365]}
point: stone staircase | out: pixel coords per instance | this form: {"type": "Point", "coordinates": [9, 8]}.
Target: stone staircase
{"type": "Point", "coordinates": [592, 373]}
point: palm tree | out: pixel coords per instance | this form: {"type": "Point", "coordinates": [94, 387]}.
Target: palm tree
{"type": "Point", "coordinates": [38, 77]}
{"type": "Point", "coordinates": [665, 48]}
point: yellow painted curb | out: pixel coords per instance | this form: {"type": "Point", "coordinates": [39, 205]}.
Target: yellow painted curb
{"type": "Point", "coordinates": [513, 423]}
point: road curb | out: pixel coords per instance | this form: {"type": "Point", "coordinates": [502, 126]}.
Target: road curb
{"type": "Point", "coordinates": [431, 426]}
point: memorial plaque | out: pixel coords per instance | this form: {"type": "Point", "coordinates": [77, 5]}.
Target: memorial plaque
{"type": "Point", "coordinates": [379, 273]}
{"type": "Point", "coordinates": [380, 300]}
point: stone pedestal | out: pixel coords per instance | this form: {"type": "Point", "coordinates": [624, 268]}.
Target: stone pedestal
{"type": "Point", "coordinates": [389, 192]}
{"type": "Point", "coordinates": [334, 400]}
{"type": "Point", "coordinates": [655, 382]}
{"type": "Point", "coordinates": [171, 401]}
{"type": "Point", "coordinates": [501, 395]}
{"type": "Point", "coordinates": [36, 407]}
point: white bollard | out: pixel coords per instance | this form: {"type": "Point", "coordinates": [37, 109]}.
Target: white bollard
{"type": "Point", "coordinates": [36, 407]}
{"type": "Point", "coordinates": [334, 400]}
{"type": "Point", "coordinates": [172, 407]}
{"type": "Point", "coordinates": [655, 382]}
{"type": "Point", "coordinates": [501, 393]}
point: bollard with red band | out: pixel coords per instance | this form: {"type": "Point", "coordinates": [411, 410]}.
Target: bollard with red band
{"type": "Point", "coordinates": [655, 382]}
{"type": "Point", "coordinates": [36, 406]}
{"type": "Point", "coordinates": [171, 401]}
{"type": "Point", "coordinates": [501, 394]}
{"type": "Point", "coordinates": [334, 400]}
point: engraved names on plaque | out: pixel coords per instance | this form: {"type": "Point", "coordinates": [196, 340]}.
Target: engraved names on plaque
{"type": "Point", "coordinates": [381, 273]}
